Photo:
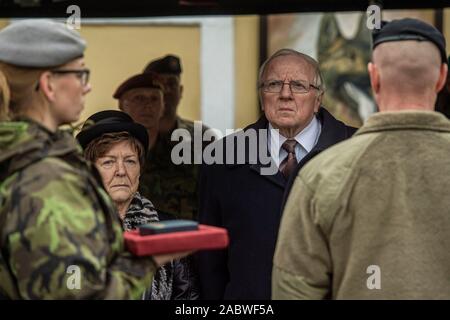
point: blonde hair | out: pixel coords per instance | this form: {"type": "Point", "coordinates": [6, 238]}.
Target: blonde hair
{"type": "Point", "coordinates": [4, 97]}
{"type": "Point", "coordinates": [17, 88]}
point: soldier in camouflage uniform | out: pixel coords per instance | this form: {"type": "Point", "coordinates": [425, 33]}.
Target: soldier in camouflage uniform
{"type": "Point", "coordinates": [55, 218]}
{"type": "Point", "coordinates": [172, 188]}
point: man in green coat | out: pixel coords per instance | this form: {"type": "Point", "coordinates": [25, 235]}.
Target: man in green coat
{"type": "Point", "coordinates": [370, 217]}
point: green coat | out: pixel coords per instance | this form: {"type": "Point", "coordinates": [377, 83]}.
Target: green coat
{"type": "Point", "coordinates": [57, 223]}
{"type": "Point", "coordinates": [373, 211]}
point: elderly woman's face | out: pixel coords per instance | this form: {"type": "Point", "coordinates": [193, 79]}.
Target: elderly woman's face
{"type": "Point", "coordinates": [120, 170]}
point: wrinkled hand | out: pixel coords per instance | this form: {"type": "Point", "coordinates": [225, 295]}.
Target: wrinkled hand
{"type": "Point", "coordinates": [162, 259]}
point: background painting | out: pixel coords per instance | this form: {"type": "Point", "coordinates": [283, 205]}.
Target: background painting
{"type": "Point", "coordinates": [341, 43]}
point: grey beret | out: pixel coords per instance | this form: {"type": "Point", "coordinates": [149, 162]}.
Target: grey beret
{"type": "Point", "coordinates": [39, 43]}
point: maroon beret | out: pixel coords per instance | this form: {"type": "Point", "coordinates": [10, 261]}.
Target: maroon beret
{"type": "Point", "coordinates": [142, 80]}
{"type": "Point", "coordinates": [169, 64]}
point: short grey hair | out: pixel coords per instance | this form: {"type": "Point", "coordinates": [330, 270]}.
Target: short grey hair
{"type": "Point", "coordinates": [318, 79]}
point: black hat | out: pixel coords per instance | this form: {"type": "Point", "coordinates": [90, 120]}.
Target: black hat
{"type": "Point", "coordinates": [147, 80]}
{"type": "Point", "coordinates": [409, 29]}
{"type": "Point", "coordinates": [111, 121]}
{"type": "Point", "coordinates": [170, 64]}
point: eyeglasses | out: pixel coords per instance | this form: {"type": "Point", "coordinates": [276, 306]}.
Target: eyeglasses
{"type": "Point", "coordinates": [296, 86]}
{"type": "Point", "coordinates": [82, 74]}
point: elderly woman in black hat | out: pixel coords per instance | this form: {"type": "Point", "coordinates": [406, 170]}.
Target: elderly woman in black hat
{"type": "Point", "coordinates": [59, 234]}
{"type": "Point", "coordinates": [117, 146]}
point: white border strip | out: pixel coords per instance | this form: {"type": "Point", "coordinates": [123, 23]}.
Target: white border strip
{"type": "Point", "coordinates": [217, 75]}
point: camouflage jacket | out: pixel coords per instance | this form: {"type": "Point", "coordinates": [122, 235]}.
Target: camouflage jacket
{"type": "Point", "coordinates": [60, 237]}
{"type": "Point", "coordinates": [172, 188]}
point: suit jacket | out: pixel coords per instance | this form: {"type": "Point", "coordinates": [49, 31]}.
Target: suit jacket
{"type": "Point", "coordinates": [248, 204]}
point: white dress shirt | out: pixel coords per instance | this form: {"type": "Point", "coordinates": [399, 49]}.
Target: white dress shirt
{"type": "Point", "coordinates": [307, 139]}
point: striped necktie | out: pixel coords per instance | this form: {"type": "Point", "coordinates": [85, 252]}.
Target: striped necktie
{"type": "Point", "coordinates": [287, 166]}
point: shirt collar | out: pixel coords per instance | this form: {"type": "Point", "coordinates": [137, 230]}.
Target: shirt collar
{"type": "Point", "coordinates": [307, 138]}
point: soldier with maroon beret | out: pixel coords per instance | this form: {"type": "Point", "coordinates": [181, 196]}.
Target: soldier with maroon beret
{"type": "Point", "coordinates": [172, 188]}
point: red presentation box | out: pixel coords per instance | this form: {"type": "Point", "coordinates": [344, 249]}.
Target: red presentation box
{"type": "Point", "coordinates": [205, 238]}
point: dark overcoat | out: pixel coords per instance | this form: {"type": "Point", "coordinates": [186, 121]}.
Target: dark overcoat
{"type": "Point", "coordinates": [248, 204]}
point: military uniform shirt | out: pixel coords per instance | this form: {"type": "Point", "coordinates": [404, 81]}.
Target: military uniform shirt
{"type": "Point", "coordinates": [60, 236]}
{"type": "Point", "coordinates": [171, 188]}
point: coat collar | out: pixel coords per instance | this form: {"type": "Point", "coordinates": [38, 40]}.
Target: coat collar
{"type": "Point", "coordinates": [333, 131]}
{"type": "Point", "coordinates": [401, 120]}
{"type": "Point", "coordinates": [32, 142]}
{"type": "Point", "coordinates": [278, 179]}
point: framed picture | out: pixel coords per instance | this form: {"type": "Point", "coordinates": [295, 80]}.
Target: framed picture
{"type": "Point", "coordinates": [341, 43]}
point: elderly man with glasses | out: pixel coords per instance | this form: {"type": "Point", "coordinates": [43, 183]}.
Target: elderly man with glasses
{"type": "Point", "coordinates": [241, 198]}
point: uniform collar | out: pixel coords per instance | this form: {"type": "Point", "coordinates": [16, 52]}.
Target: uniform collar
{"type": "Point", "coordinates": [401, 120]}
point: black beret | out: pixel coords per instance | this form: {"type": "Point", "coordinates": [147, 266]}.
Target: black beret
{"type": "Point", "coordinates": [169, 64]}
{"type": "Point", "coordinates": [409, 29]}
{"type": "Point", "coordinates": [142, 80]}
{"type": "Point", "coordinates": [110, 121]}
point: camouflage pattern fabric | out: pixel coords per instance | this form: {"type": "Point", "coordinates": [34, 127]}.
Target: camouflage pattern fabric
{"type": "Point", "coordinates": [55, 216]}
{"type": "Point", "coordinates": [172, 188]}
